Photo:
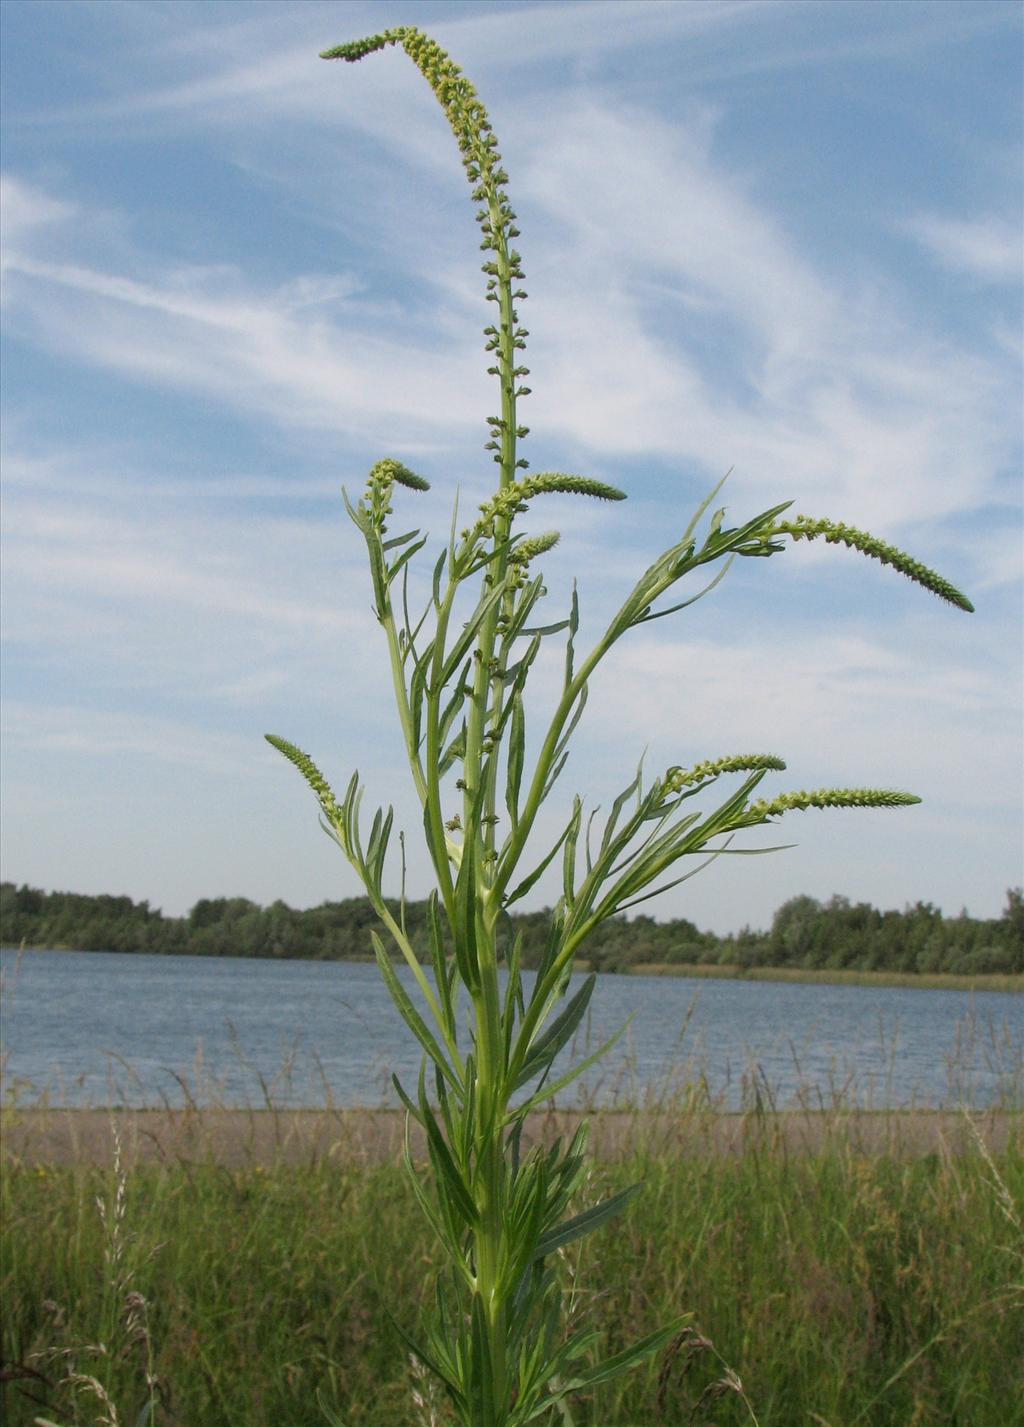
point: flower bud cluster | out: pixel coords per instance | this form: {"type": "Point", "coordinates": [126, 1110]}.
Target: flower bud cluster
{"type": "Point", "coordinates": [831, 798]}
{"type": "Point", "coordinates": [535, 545]}
{"type": "Point", "coordinates": [676, 778]}
{"type": "Point", "coordinates": [804, 527]}
{"type": "Point", "coordinates": [383, 477]}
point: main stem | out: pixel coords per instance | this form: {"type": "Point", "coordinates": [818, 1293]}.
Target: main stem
{"type": "Point", "coordinates": [490, 1236]}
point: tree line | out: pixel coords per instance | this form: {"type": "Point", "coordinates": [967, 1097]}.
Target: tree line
{"type": "Point", "coordinates": [805, 933]}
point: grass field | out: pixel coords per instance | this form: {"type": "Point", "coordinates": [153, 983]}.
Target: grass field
{"type": "Point", "coordinates": [845, 1285]}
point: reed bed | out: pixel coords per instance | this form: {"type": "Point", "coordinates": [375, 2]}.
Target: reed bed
{"type": "Point", "coordinates": [830, 1284]}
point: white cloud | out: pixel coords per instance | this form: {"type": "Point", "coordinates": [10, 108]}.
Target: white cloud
{"type": "Point", "coordinates": [283, 353]}
{"type": "Point", "coordinates": [40, 729]}
{"type": "Point", "coordinates": [724, 39]}
{"type": "Point", "coordinates": [833, 395]}
{"type": "Point", "coordinates": [987, 249]}
{"type": "Point", "coordinates": [114, 583]}
{"type": "Point", "coordinates": [875, 709]}
{"type": "Point", "coordinates": [25, 208]}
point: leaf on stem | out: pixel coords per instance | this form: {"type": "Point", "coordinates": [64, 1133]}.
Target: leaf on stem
{"type": "Point", "coordinates": [534, 1059]}
{"type": "Point", "coordinates": [409, 1013]}
{"type": "Point", "coordinates": [446, 1171]}
{"type": "Point", "coordinates": [629, 1357]}
{"type": "Point", "coordinates": [464, 927]}
{"type": "Point", "coordinates": [585, 1223]}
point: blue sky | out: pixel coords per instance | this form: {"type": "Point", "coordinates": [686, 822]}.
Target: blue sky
{"type": "Point", "coordinates": [782, 238]}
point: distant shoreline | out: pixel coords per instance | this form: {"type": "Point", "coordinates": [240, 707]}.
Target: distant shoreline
{"type": "Point", "coordinates": [697, 971]}
{"type": "Point", "coordinates": [919, 980]}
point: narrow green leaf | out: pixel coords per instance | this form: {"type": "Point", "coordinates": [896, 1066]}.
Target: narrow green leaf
{"type": "Point", "coordinates": [554, 774]}
{"type": "Point", "coordinates": [544, 1050]}
{"type": "Point", "coordinates": [442, 976]}
{"type": "Point", "coordinates": [545, 629]}
{"type": "Point", "coordinates": [395, 569]}
{"type": "Point", "coordinates": [483, 1408]}
{"type": "Point", "coordinates": [629, 1357]}
{"type": "Point", "coordinates": [546, 1091]}
{"type": "Point", "coordinates": [410, 1106]}
{"type": "Point", "coordinates": [436, 582]}
{"type": "Point", "coordinates": [464, 930]}
{"type": "Point", "coordinates": [516, 751]}
{"type": "Point", "coordinates": [570, 729]}
{"type": "Point", "coordinates": [419, 1352]}
{"type": "Point", "coordinates": [582, 1224]}
{"type": "Point", "coordinates": [647, 618]}
{"type": "Point", "coordinates": [521, 889]}
{"type": "Point", "coordinates": [445, 1168]}
{"type": "Point", "coordinates": [469, 632]}
{"type": "Point", "coordinates": [398, 540]}
{"type": "Point", "coordinates": [516, 673]}
{"type": "Point", "coordinates": [572, 624]}
{"type": "Point", "coordinates": [569, 853]}
{"type": "Point", "coordinates": [409, 1013]}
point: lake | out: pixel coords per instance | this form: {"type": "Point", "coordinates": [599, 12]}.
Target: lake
{"type": "Point", "coordinates": [99, 1028]}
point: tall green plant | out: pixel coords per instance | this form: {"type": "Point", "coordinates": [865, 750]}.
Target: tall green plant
{"type": "Point", "coordinates": [498, 1341]}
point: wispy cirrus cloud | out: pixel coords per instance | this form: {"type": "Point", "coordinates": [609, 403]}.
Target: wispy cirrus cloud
{"type": "Point", "coordinates": [25, 208]}
{"type": "Point", "coordinates": [987, 248]}
{"type": "Point", "coordinates": [280, 352]}
{"type": "Point", "coordinates": [825, 387]}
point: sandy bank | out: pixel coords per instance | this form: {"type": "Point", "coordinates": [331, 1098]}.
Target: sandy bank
{"type": "Point", "coordinates": [235, 1138]}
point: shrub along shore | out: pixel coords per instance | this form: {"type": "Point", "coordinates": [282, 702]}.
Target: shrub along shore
{"type": "Point", "coordinates": [856, 1275]}
{"type": "Point", "coordinates": [808, 939]}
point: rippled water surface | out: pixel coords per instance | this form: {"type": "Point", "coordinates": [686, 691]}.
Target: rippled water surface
{"type": "Point", "coordinates": [97, 1028]}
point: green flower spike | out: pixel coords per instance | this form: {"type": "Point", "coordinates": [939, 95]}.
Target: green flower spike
{"type": "Point", "coordinates": [513, 499]}
{"type": "Point", "coordinates": [830, 798]}
{"type": "Point", "coordinates": [678, 778]}
{"type": "Point", "coordinates": [804, 527]}
{"type": "Point", "coordinates": [482, 162]}
{"type": "Point", "coordinates": [311, 773]}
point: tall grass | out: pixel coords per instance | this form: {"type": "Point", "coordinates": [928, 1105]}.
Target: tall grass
{"type": "Point", "coordinates": [840, 1288]}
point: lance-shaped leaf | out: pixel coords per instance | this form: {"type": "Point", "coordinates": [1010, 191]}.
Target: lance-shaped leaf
{"type": "Point", "coordinates": [445, 1168]}
{"type": "Point", "coordinates": [585, 1223]}
{"type": "Point", "coordinates": [443, 976]}
{"type": "Point", "coordinates": [464, 929]}
{"type": "Point", "coordinates": [521, 888]}
{"type": "Point", "coordinates": [409, 1013]}
{"type": "Point", "coordinates": [546, 1091]}
{"type": "Point", "coordinates": [484, 1408]}
{"type": "Point", "coordinates": [614, 1366]}
{"type": "Point", "coordinates": [531, 1060]}
{"type": "Point", "coordinates": [516, 752]}
{"type": "Point", "coordinates": [573, 623]}
{"type": "Point", "coordinates": [460, 648]}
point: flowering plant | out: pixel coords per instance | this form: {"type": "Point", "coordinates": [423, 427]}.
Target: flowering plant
{"type": "Point", "coordinates": [498, 1342]}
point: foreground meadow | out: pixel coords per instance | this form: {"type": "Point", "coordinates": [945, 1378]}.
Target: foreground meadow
{"type": "Point", "coordinates": [868, 1270]}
